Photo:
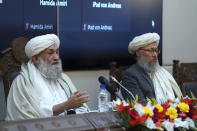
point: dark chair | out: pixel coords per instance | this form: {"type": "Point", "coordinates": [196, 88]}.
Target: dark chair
{"type": "Point", "coordinates": [2, 101]}
{"type": "Point", "coordinates": [189, 87]}
{"type": "Point", "coordinates": [10, 62]}
{"type": "Point", "coordinates": [116, 71]}
{"type": "Point", "coordinates": [185, 75]}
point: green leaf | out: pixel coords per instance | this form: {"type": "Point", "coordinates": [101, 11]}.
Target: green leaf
{"type": "Point", "coordinates": [181, 129]}
{"type": "Point", "coordinates": [154, 102]}
{"type": "Point", "coordinates": [148, 100]}
{"type": "Point", "coordinates": [128, 101]}
{"type": "Point", "coordinates": [193, 97]}
{"type": "Point", "coordinates": [136, 97]}
{"type": "Point", "coordinates": [192, 129]}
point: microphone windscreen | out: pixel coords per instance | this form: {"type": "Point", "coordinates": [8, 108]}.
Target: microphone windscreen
{"type": "Point", "coordinates": [108, 85]}
{"type": "Point", "coordinates": [102, 80]}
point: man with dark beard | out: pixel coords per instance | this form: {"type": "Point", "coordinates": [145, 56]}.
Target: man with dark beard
{"type": "Point", "coordinates": [146, 78]}
{"type": "Point", "coordinates": [42, 89]}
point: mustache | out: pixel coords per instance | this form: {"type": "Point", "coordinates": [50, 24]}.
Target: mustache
{"type": "Point", "coordinates": [154, 59]}
{"type": "Point", "coordinates": [54, 62]}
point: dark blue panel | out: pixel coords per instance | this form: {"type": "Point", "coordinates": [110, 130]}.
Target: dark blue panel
{"type": "Point", "coordinates": [84, 44]}
{"type": "Point", "coordinates": [11, 21]}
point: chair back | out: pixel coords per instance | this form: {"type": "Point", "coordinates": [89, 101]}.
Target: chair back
{"type": "Point", "coordinates": [116, 71]}
{"type": "Point", "coordinates": [185, 75]}
{"type": "Point", "coordinates": [11, 61]}
{"type": "Point", "coordinates": [2, 101]}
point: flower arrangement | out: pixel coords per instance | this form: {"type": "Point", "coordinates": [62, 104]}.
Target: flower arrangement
{"type": "Point", "coordinates": [180, 114]}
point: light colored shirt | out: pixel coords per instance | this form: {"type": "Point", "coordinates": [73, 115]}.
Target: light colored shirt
{"type": "Point", "coordinates": [53, 94]}
{"type": "Point", "coordinates": [164, 85]}
{"type": "Point", "coordinates": [33, 96]}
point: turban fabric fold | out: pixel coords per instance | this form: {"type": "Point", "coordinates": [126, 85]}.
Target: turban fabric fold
{"type": "Point", "coordinates": [142, 40]}
{"type": "Point", "coordinates": [39, 43]}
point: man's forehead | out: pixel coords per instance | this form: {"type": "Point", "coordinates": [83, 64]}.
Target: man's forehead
{"type": "Point", "coordinates": [53, 47]}
{"type": "Point", "coordinates": [151, 45]}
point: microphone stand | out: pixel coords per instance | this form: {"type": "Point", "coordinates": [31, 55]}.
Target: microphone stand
{"type": "Point", "coordinates": [115, 80]}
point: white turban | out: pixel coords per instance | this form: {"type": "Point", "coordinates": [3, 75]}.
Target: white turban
{"type": "Point", "coordinates": [142, 40]}
{"type": "Point", "coordinates": [40, 43]}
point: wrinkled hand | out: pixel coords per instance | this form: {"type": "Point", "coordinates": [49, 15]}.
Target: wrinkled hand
{"type": "Point", "coordinates": [77, 99]}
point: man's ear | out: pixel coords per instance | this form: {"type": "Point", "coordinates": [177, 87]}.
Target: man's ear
{"type": "Point", "coordinates": [35, 60]}
{"type": "Point", "coordinates": [138, 53]}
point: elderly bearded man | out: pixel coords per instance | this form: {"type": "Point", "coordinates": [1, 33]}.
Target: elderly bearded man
{"type": "Point", "coordinates": [42, 89]}
{"type": "Point", "coordinates": [147, 78]}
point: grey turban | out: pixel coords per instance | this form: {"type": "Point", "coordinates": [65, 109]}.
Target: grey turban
{"type": "Point", "coordinates": [142, 40]}
{"type": "Point", "coordinates": [40, 43]}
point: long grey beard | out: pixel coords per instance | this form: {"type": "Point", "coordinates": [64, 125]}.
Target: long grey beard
{"type": "Point", "coordinates": [146, 66]}
{"type": "Point", "coordinates": [50, 71]}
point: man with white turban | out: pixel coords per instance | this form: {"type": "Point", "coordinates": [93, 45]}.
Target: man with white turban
{"type": "Point", "coordinates": [42, 89]}
{"type": "Point", "coordinates": [147, 78]}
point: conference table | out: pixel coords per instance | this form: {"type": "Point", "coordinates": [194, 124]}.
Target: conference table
{"type": "Point", "coordinates": [94, 121]}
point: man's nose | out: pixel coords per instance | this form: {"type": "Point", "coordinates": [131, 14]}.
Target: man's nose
{"type": "Point", "coordinates": [155, 54]}
{"type": "Point", "coordinates": [56, 56]}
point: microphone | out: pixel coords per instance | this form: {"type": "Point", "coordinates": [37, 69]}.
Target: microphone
{"type": "Point", "coordinates": [110, 88]}
{"type": "Point", "coordinates": [115, 80]}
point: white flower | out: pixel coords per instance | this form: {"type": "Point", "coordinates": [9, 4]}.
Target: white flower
{"type": "Point", "coordinates": [174, 105]}
{"type": "Point", "coordinates": [150, 124]}
{"type": "Point", "coordinates": [190, 122]}
{"type": "Point", "coordinates": [177, 100]}
{"type": "Point", "coordinates": [186, 97]}
{"type": "Point", "coordinates": [169, 126]}
{"type": "Point", "coordinates": [117, 102]}
{"type": "Point", "coordinates": [150, 106]}
{"type": "Point", "coordinates": [179, 123]}
{"type": "Point", "coordinates": [139, 108]}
